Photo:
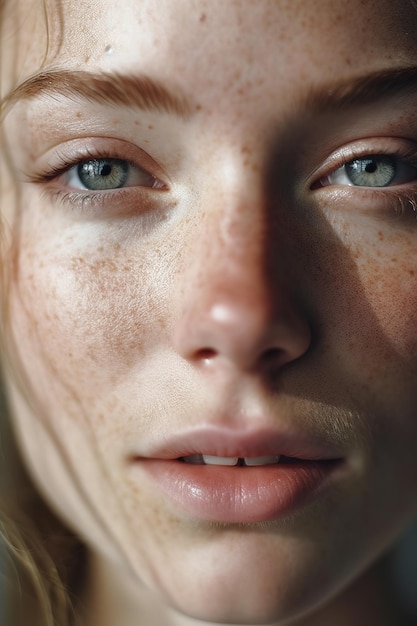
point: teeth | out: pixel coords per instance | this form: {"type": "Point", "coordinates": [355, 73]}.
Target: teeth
{"type": "Point", "coordinates": [262, 460]}
{"type": "Point", "coordinates": [220, 460]}
{"type": "Point", "coordinates": [194, 459]}
{"type": "Point", "coordinates": [207, 459]}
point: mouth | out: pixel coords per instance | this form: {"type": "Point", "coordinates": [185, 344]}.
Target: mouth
{"type": "Point", "coordinates": [231, 478]}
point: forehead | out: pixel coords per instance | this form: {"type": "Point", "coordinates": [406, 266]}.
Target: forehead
{"type": "Point", "coordinates": [215, 46]}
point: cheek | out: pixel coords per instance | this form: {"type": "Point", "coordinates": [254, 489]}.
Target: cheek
{"type": "Point", "coordinates": [85, 321]}
{"type": "Point", "coordinates": [366, 274]}
{"type": "Point", "coordinates": [387, 274]}
{"type": "Point", "coordinates": [368, 345]}
{"type": "Point", "coordinates": [361, 288]}
{"type": "Point", "coordinates": [88, 313]}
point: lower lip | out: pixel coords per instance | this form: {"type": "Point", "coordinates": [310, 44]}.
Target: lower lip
{"type": "Point", "coordinates": [239, 494]}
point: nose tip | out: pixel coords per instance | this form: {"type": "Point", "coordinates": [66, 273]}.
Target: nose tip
{"type": "Point", "coordinates": [245, 332]}
{"type": "Point", "coordinates": [238, 305]}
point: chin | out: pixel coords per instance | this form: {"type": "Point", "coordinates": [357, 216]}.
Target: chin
{"type": "Point", "coordinates": [240, 612]}
{"type": "Point", "coordinates": [234, 613]}
{"type": "Point", "coordinates": [249, 597]}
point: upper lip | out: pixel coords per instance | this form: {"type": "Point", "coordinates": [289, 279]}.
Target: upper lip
{"type": "Point", "coordinates": [226, 442]}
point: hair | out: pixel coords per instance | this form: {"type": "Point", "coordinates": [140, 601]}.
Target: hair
{"type": "Point", "coordinates": [42, 557]}
{"type": "Point", "coordinates": [44, 563]}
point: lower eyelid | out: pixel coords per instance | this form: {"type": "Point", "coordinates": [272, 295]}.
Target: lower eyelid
{"type": "Point", "coordinates": [125, 202]}
{"type": "Point", "coordinates": [395, 205]}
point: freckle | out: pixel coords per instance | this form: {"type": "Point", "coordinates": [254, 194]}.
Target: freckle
{"type": "Point", "coordinates": [150, 126]}
{"type": "Point", "coordinates": [411, 272]}
{"type": "Point", "coordinates": [394, 260]}
{"type": "Point", "coordinates": [203, 17]}
{"type": "Point", "coordinates": [162, 322]}
{"type": "Point", "coordinates": [380, 235]}
{"type": "Point", "coordinates": [198, 107]}
{"type": "Point", "coordinates": [137, 123]}
{"type": "Point", "coordinates": [78, 114]}
{"type": "Point", "coordinates": [87, 58]}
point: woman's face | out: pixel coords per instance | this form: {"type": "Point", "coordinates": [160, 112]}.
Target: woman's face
{"type": "Point", "coordinates": [215, 252]}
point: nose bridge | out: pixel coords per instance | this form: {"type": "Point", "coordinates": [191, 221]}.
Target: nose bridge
{"type": "Point", "coordinates": [233, 307]}
{"type": "Point", "coordinates": [237, 217]}
{"type": "Point", "coordinates": [231, 265]}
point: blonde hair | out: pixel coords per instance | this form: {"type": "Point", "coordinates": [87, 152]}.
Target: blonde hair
{"type": "Point", "coordinates": [43, 561]}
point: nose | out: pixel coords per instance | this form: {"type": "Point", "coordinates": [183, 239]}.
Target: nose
{"type": "Point", "coordinates": [237, 304]}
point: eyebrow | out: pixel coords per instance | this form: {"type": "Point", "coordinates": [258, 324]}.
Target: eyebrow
{"type": "Point", "coordinates": [135, 91]}
{"type": "Point", "coordinates": [373, 87]}
{"type": "Point", "coordinates": [148, 94]}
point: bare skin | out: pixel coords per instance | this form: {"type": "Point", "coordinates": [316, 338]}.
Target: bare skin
{"type": "Point", "coordinates": [237, 201]}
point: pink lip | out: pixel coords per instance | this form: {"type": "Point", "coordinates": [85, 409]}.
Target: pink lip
{"type": "Point", "coordinates": [239, 494]}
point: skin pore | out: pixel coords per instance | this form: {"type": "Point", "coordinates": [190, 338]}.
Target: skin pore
{"type": "Point", "coordinates": [237, 281]}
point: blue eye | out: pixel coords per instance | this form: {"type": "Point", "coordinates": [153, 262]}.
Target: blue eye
{"type": "Point", "coordinates": [99, 174]}
{"type": "Point", "coordinates": [372, 171]}
{"type": "Point", "coordinates": [106, 174]}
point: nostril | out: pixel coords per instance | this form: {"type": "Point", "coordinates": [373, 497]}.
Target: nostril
{"type": "Point", "coordinates": [246, 332]}
{"type": "Point", "coordinates": [273, 360]}
{"type": "Point", "coordinates": [271, 356]}
{"type": "Point", "coordinates": [205, 354]}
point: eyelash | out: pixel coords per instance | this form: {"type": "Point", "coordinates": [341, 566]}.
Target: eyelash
{"type": "Point", "coordinates": [86, 198]}
{"type": "Point", "coordinates": [404, 157]}
{"type": "Point", "coordinates": [398, 198]}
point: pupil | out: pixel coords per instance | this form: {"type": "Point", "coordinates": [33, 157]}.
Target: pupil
{"type": "Point", "coordinates": [105, 170]}
{"type": "Point", "coordinates": [370, 167]}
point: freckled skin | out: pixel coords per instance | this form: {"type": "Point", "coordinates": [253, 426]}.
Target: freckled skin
{"type": "Point", "coordinates": [109, 309]}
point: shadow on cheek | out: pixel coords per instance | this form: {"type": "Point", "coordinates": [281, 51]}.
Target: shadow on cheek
{"type": "Point", "coordinates": [338, 289]}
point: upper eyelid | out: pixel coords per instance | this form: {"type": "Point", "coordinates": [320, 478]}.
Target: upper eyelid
{"type": "Point", "coordinates": [63, 157]}
{"type": "Point", "coordinates": [362, 148]}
